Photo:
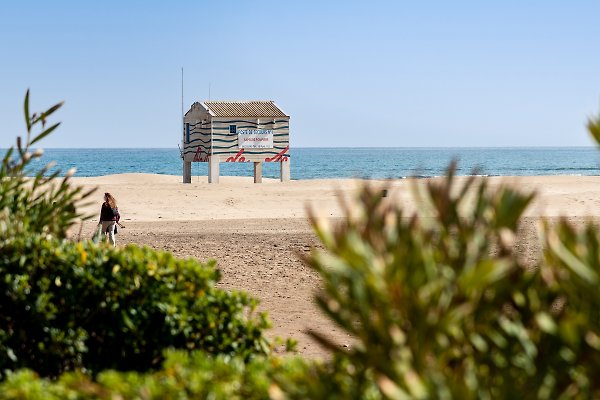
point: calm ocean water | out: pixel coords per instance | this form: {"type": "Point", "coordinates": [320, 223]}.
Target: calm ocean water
{"type": "Point", "coordinates": [312, 163]}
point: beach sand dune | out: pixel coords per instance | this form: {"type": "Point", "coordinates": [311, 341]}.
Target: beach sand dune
{"type": "Point", "coordinates": [257, 232]}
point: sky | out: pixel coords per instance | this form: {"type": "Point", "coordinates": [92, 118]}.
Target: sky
{"type": "Point", "coordinates": [349, 73]}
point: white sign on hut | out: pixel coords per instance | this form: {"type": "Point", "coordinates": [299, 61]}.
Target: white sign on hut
{"type": "Point", "coordinates": [235, 131]}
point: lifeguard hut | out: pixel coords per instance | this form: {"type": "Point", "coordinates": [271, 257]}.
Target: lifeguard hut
{"type": "Point", "coordinates": [235, 131]}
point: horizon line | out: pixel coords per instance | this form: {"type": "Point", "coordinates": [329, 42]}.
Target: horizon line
{"type": "Point", "coordinates": [341, 147]}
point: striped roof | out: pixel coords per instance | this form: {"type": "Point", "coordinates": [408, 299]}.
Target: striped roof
{"type": "Point", "coordinates": [243, 109]}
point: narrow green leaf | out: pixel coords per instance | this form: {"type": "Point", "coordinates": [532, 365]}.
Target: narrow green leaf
{"type": "Point", "coordinates": [571, 261]}
{"type": "Point", "coordinates": [52, 109]}
{"type": "Point", "coordinates": [7, 156]}
{"type": "Point", "coordinates": [44, 133]}
{"type": "Point", "coordinates": [42, 117]}
{"type": "Point", "coordinates": [19, 146]}
{"type": "Point", "coordinates": [26, 110]}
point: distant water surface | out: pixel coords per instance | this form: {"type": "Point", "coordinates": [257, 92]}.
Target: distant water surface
{"type": "Point", "coordinates": [314, 163]}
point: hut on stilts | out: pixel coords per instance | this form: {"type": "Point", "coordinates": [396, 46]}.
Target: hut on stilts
{"type": "Point", "coordinates": [235, 131]}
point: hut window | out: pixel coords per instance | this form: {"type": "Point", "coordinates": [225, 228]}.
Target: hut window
{"type": "Point", "coordinates": [187, 133]}
{"type": "Point", "coordinates": [232, 129]}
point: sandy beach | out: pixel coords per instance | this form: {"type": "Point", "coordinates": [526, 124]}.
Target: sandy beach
{"type": "Point", "coordinates": [256, 232]}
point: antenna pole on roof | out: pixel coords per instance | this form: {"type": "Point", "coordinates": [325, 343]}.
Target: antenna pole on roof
{"type": "Point", "coordinates": [209, 91]}
{"type": "Point", "coordinates": [182, 115]}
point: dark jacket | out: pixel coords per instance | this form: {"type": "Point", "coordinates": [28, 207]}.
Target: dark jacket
{"type": "Point", "coordinates": [109, 214]}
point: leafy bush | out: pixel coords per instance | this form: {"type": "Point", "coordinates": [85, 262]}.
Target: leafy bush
{"type": "Point", "coordinates": [67, 305]}
{"type": "Point", "coordinates": [196, 375]}
{"type": "Point", "coordinates": [441, 306]}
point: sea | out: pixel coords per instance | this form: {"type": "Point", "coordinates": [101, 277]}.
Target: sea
{"type": "Point", "coordinates": [317, 163]}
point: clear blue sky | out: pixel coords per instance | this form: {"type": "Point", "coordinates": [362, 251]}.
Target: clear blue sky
{"type": "Point", "coordinates": [429, 73]}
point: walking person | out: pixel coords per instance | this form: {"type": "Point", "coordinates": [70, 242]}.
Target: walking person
{"type": "Point", "coordinates": [109, 217]}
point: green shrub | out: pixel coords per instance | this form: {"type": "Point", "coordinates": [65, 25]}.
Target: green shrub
{"type": "Point", "coordinates": [196, 375]}
{"type": "Point", "coordinates": [65, 305]}
{"type": "Point", "coordinates": [441, 306]}
{"type": "Point", "coordinates": [183, 376]}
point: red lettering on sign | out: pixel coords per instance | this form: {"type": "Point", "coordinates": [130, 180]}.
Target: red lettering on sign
{"type": "Point", "coordinates": [279, 156]}
{"type": "Point", "coordinates": [198, 155]}
{"type": "Point", "coordinates": [237, 158]}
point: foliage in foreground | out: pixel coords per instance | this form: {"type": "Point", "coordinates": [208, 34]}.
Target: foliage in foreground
{"type": "Point", "coordinates": [438, 302]}
{"type": "Point", "coordinates": [67, 305]}
{"type": "Point", "coordinates": [197, 375]}
{"type": "Point", "coordinates": [442, 307]}
{"type": "Point", "coordinates": [183, 376]}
